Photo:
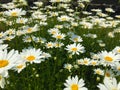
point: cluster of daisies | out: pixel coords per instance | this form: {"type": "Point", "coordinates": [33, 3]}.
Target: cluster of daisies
{"type": "Point", "coordinates": [17, 61]}
{"type": "Point", "coordinates": [59, 31]}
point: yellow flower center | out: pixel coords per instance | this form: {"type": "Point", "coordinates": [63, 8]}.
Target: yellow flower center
{"type": "Point", "coordinates": [14, 14]}
{"type": "Point", "coordinates": [119, 51]}
{"type": "Point", "coordinates": [59, 36]}
{"type": "Point", "coordinates": [93, 63]}
{"type": "Point", "coordinates": [53, 32]}
{"type": "Point", "coordinates": [29, 30]}
{"type": "Point", "coordinates": [118, 68]}
{"type": "Point", "coordinates": [31, 58]}
{"type": "Point", "coordinates": [19, 66]}
{"type": "Point", "coordinates": [85, 62]}
{"type": "Point", "coordinates": [3, 63]}
{"type": "Point", "coordinates": [74, 87]}
{"type": "Point", "coordinates": [49, 45]}
{"type": "Point", "coordinates": [108, 58]}
{"type": "Point", "coordinates": [63, 19]}
{"type": "Point", "coordinates": [21, 21]}
{"type": "Point", "coordinates": [75, 39]}
{"type": "Point", "coordinates": [107, 74]}
{"type": "Point", "coordinates": [74, 49]}
{"type": "Point", "coordinates": [98, 72]}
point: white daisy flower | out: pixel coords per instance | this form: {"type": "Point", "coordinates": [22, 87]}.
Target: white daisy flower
{"type": "Point", "coordinates": [75, 48]}
{"type": "Point", "coordinates": [73, 83]}
{"type": "Point", "coordinates": [109, 84]}
{"type": "Point", "coordinates": [53, 31]}
{"type": "Point", "coordinates": [49, 45]}
{"type": "Point", "coordinates": [8, 59]}
{"type": "Point", "coordinates": [108, 58]}
{"type": "Point", "coordinates": [15, 12]}
{"type": "Point", "coordinates": [76, 38]}
{"type": "Point", "coordinates": [21, 20]}
{"type": "Point", "coordinates": [99, 71]}
{"type": "Point", "coordinates": [59, 36]}
{"type": "Point", "coordinates": [32, 55]}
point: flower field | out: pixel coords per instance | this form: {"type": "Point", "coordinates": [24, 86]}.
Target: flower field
{"type": "Point", "coordinates": [58, 46]}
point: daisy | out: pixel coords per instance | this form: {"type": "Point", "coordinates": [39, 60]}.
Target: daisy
{"type": "Point", "coordinates": [109, 84]}
{"type": "Point", "coordinates": [46, 55]}
{"type": "Point", "coordinates": [58, 44]}
{"type": "Point", "coordinates": [99, 71]}
{"type": "Point", "coordinates": [32, 55]}
{"type": "Point", "coordinates": [21, 20]}
{"type": "Point", "coordinates": [8, 59]}
{"type": "Point", "coordinates": [86, 61]}
{"type": "Point", "coordinates": [53, 31]}
{"type": "Point", "coordinates": [109, 10]}
{"type": "Point", "coordinates": [20, 65]}
{"type": "Point", "coordinates": [109, 73]}
{"type": "Point", "coordinates": [76, 38]}
{"type": "Point", "coordinates": [108, 58]}
{"type": "Point", "coordinates": [64, 18]}
{"type": "Point", "coordinates": [59, 36]}
{"type": "Point", "coordinates": [28, 29]}
{"type": "Point", "coordinates": [73, 83]}
{"type": "Point", "coordinates": [59, 26]}
{"type": "Point", "coordinates": [50, 45]}
{"type": "Point", "coordinates": [75, 48]}
{"type": "Point", "coordinates": [94, 62]}
{"type": "Point", "coordinates": [15, 12]}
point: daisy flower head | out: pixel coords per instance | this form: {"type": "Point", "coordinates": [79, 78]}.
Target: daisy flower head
{"type": "Point", "coordinates": [76, 38]}
{"type": "Point", "coordinates": [99, 71]}
{"type": "Point", "coordinates": [46, 55]}
{"type": "Point", "coordinates": [108, 58]}
{"type": "Point", "coordinates": [73, 83]}
{"type": "Point", "coordinates": [20, 65]}
{"type": "Point", "coordinates": [32, 55]}
{"type": "Point", "coordinates": [59, 36]}
{"type": "Point", "coordinates": [28, 29]}
{"type": "Point", "coordinates": [17, 12]}
{"type": "Point", "coordinates": [8, 59]}
{"type": "Point", "coordinates": [58, 44]}
{"type": "Point", "coordinates": [109, 73]}
{"type": "Point", "coordinates": [64, 18]}
{"type": "Point", "coordinates": [86, 61]}
{"type": "Point", "coordinates": [49, 45]}
{"type": "Point", "coordinates": [94, 62]}
{"type": "Point", "coordinates": [75, 48]}
{"type": "Point", "coordinates": [53, 31]}
{"type": "Point", "coordinates": [109, 84]}
{"type": "Point", "coordinates": [109, 10]}
{"type": "Point", "coordinates": [21, 20]}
